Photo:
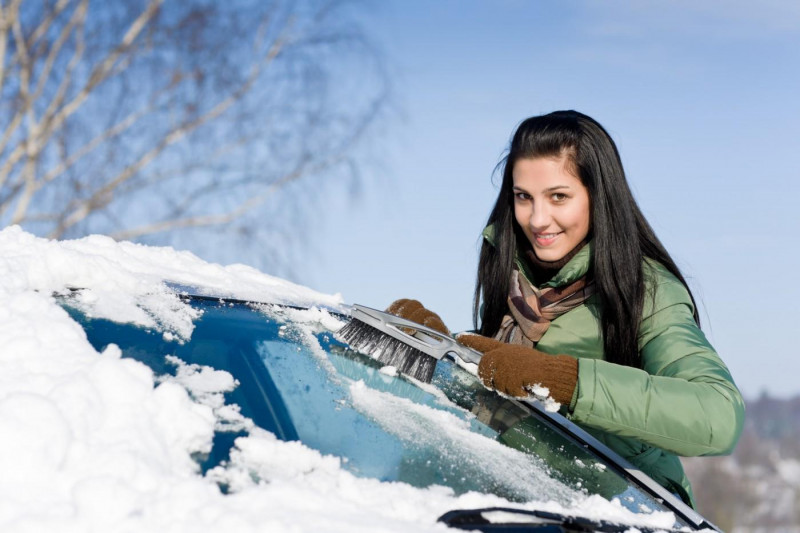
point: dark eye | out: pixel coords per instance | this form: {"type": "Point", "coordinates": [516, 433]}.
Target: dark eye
{"type": "Point", "coordinates": [559, 196]}
{"type": "Point", "coordinates": [522, 196]}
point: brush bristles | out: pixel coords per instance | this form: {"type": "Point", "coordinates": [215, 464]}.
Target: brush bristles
{"type": "Point", "coordinates": [388, 350]}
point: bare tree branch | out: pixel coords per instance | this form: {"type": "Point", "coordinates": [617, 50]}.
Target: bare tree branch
{"type": "Point", "coordinates": [47, 22]}
{"type": "Point", "coordinates": [8, 17]}
{"type": "Point", "coordinates": [103, 195]}
{"type": "Point", "coordinates": [104, 136]}
{"type": "Point", "coordinates": [55, 115]}
{"type": "Point", "coordinates": [30, 147]}
{"type": "Point", "coordinates": [76, 20]}
{"type": "Point", "coordinates": [101, 71]}
{"type": "Point", "coordinates": [226, 217]}
{"type": "Point", "coordinates": [34, 142]}
{"type": "Point", "coordinates": [199, 110]}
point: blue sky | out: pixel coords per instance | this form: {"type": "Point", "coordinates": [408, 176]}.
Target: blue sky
{"type": "Point", "coordinates": [703, 102]}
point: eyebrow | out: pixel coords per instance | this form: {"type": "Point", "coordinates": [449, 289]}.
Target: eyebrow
{"type": "Point", "coordinates": [549, 189]}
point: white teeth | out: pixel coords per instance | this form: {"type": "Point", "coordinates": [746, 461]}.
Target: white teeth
{"type": "Point", "coordinates": [546, 236]}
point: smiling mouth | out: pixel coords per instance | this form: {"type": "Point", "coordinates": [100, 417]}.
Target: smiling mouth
{"type": "Point", "coordinates": [545, 238]}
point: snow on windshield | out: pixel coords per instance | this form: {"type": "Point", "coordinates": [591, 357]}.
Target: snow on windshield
{"type": "Point", "coordinates": [450, 436]}
{"type": "Point", "coordinates": [128, 282]}
{"type": "Point", "coordinates": [96, 442]}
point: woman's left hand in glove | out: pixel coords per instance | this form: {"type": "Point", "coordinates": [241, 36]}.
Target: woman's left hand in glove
{"type": "Point", "coordinates": [514, 370]}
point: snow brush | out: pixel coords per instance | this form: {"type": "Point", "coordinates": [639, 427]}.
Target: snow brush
{"type": "Point", "coordinates": [412, 348]}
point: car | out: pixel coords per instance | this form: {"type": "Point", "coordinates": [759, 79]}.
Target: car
{"type": "Point", "coordinates": [201, 409]}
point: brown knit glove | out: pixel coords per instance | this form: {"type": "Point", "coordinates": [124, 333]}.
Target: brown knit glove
{"type": "Point", "coordinates": [510, 368]}
{"type": "Point", "coordinates": [414, 311]}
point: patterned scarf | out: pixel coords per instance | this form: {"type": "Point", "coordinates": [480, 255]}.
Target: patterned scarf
{"type": "Point", "coordinates": [531, 309]}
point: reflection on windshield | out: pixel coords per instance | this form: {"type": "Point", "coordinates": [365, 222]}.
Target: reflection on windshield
{"type": "Point", "coordinates": [467, 438]}
{"type": "Point", "coordinates": [310, 387]}
{"type": "Point", "coordinates": [568, 461]}
{"type": "Point", "coordinates": [392, 430]}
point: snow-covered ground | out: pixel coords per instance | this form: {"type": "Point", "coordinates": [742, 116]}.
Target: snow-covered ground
{"type": "Point", "coordinates": [95, 442]}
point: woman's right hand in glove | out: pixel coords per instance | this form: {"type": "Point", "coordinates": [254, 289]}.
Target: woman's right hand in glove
{"type": "Point", "coordinates": [414, 311]}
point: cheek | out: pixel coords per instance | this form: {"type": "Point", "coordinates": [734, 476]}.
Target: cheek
{"type": "Point", "coordinates": [519, 216]}
{"type": "Point", "coordinates": [584, 218]}
{"type": "Point", "coordinates": [575, 217]}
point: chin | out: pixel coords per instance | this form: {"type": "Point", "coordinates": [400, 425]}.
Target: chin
{"type": "Point", "coordinates": [549, 255]}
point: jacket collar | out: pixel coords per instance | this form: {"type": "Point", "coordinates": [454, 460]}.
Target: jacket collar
{"type": "Point", "coordinates": [577, 267]}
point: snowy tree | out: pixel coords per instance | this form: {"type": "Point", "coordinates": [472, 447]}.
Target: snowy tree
{"type": "Point", "coordinates": [143, 118]}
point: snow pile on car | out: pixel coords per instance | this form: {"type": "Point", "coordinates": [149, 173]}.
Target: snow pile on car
{"type": "Point", "coordinates": [96, 442]}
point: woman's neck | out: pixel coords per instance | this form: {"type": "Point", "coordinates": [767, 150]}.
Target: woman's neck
{"type": "Point", "coordinates": [544, 271]}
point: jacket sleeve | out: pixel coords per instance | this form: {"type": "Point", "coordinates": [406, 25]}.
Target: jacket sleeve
{"type": "Point", "coordinates": [683, 400]}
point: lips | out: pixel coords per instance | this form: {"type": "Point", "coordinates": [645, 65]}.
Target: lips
{"type": "Point", "coordinates": [544, 239]}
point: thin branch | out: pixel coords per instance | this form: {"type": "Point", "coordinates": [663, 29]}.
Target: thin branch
{"type": "Point", "coordinates": [53, 120]}
{"type": "Point", "coordinates": [9, 197]}
{"type": "Point", "coordinates": [16, 155]}
{"type": "Point", "coordinates": [30, 145]}
{"type": "Point", "coordinates": [41, 30]}
{"type": "Point", "coordinates": [24, 145]}
{"type": "Point", "coordinates": [78, 18]}
{"type": "Point", "coordinates": [102, 70]}
{"type": "Point", "coordinates": [7, 19]}
{"type": "Point", "coordinates": [235, 213]}
{"type": "Point", "coordinates": [103, 196]}
{"type": "Point", "coordinates": [26, 70]}
{"type": "Point", "coordinates": [114, 131]}
{"type": "Point", "coordinates": [210, 220]}
{"type": "Point", "coordinates": [99, 158]}
{"type": "Point", "coordinates": [179, 172]}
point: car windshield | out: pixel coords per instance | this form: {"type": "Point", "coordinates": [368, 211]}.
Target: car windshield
{"type": "Point", "coordinates": [297, 381]}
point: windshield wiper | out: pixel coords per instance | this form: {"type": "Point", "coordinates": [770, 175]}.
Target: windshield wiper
{"type": "Point", "coordinates": [524, 521]}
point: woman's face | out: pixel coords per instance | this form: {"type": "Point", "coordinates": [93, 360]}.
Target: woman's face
{"type": "Point", "coordinates": [551, 206]}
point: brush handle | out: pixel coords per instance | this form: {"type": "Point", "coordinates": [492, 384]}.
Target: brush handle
{"type": "Point", "coordinates": [423, 338]}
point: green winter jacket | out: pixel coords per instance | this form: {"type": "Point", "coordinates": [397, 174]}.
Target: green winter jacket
{"type": "Point", "coordinates": [682, 401]}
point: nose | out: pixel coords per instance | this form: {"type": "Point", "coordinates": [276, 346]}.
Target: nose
{"type": "Point", "coordinates": [540, 216]}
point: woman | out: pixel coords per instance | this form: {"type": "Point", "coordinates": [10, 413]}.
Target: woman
{"type": "Point", "coordinates": [576, 293]}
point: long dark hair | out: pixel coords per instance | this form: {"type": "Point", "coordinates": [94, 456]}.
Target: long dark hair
{"type": "Point", "coordinates": [621, 235]}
